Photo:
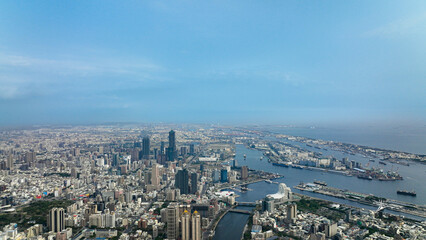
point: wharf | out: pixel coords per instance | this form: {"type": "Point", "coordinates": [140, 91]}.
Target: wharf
{"type": "Point", "coordinates": [367, 199]}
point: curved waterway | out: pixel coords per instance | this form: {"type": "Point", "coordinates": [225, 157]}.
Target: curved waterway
{"type": "Point", "coordinates": [231, 226]}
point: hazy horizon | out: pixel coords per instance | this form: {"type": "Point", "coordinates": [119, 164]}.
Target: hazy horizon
{"type": "Point", "coordinates": [293, 63]}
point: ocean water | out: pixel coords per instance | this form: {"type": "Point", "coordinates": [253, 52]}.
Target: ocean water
{"type": "Point", "coordinates": [410, 139]}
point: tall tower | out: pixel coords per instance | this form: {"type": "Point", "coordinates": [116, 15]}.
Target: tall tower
{"type": "Point", "coordinates": [172, 221]}
{"type": "Point", "coordinates": [185, 225]}
{"type": "Point", "coordinates": [172, 140]}
{"type": "Point", "coordinates": [9, 163]}
{"type": "Point", "coordinates": [171, 150]}
{"type": "Point", "coordinates": [196, 226]}
{"type": "Point", "coordinates": [182, 181]}
{"type": "Point", "coordinates": [291, 212]}
{"type": "Point", "coordinates": [194, 183]}
{"type": "Point", "coordinates": [56, 220]}
{"type": "Point", "coordinates": [145, 148]}
{"type": "Point", "coordinates": [244, 172]}
{"type": "Point", "coordinates": [155, 180]}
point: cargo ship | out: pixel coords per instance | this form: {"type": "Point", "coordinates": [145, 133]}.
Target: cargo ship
{"type": "Point", "coordinates": [405, 192]}
{"type": "Point", "coordinates": [280, 164]}
{"type": "Point", "coordinates": [320, 183]}
{"type": "Point", "coordinates": [366, 177]}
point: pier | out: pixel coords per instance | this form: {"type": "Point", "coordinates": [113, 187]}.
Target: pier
{"type": "Point", "coordinates": [394, 205]}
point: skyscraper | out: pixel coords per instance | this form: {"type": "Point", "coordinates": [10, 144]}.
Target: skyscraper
{"type": "Point", "coordinates": [171, 150]}
{"type": "Point", "coordinates": [268, 205]}
{"type": "Point", "coordinates": [162, 147]}
{"type": "Point", "coordinates": [191, 149]}
{"type": "Point", "coordinates": [145, 148]}
{"type": "Point", "coordinates": [155, 178]}
{"type": "Point", "coordinates": [172, 140]}
{"type": "Point", "coordinates": [56, 220]}
{"type": "Point", "coordinates": [194, 183]}
{"type": "Point", "coordinates": [9, 162]}
{"type": "Point", "coordinates": [196, 226]}
{"type": "Point", "coordinates": [216, 176]}
{"type": "Point", "coordinates": [291, 212]}
{"type": "Point", "coordinates": [172, 213]}
{"type": "Point", "coordinates": [181, 181]}
{"type": "Point", "coordinates": [223, 175]}
{"type": "Point", "coordinates": [30, 157]}
{"type": "Point", "coordinates": [185, 225]}
{"type": "Point", "coordinates": [244, 172]}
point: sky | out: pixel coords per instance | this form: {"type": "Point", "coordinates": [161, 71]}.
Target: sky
{"type": "Point", "coordinates": [270, 62]}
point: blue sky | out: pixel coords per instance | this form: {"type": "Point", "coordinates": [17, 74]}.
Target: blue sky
{"type": "Point", "coordinates": [286, 62]}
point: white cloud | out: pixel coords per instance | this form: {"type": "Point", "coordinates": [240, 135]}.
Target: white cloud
{"type": "Point", "coordinates": [400, 27]}
{"type": "Point", "coordinates": [79, 67]}
{"type": "Point", "coordinates": [22, 75]}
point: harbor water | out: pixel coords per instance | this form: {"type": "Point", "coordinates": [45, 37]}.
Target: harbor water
{"type": "Point", "coordinates": [232, 225]}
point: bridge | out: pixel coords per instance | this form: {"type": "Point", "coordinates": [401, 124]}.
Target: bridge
{"type": "Point", "coordinates": [242, 189]}
{"type": "Point", "coordinates": [239, 211]}
{"type": "Point", "coordinates": [248, 204]}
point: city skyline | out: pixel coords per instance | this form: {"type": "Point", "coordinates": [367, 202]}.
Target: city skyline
{"type": "Point", "coordinates": [352, 62]}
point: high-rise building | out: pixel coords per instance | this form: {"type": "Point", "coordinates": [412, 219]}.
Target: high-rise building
{"type": "Point", "coordinates": [224, 175]}
{"type": "Point", "coordinates": [9, 162]}
{"type": "Point", "coordinates": [30, 157]}
{"type": "Point", "coordinates": [135, 155]}
{"type": "Point", "coordinates": [172, 216]}
{"type": "Point", "coordinates": [182, 181]}
{"type": "Point", "coordinates": [171, 150]}
{"type": "Point", "coordinates": [330, 230]}
{"type": "Point", "coordinates": [56, 220]}
{"type": "Point", "coordinates": [191, 149]}
{"type": "Point", "coordinates": [216, 176]}
{"type": "Point", "coordinates": [291, 212]}
{"type": "Point", "coordinates": [172, 139]}
{"type": "Point", "coordinates": [185, 225]}
{"type": "Point", "coordinates": [235, 163]}
{"type": "Point", "coordinates": [145, 148]}
{"type": "Point", "coordinates": [268, 205]}
{"type": "Point", "coordinates": [162, 146]}
{"type": "Point", "coordinates": [74, 172]}
{"type": "Point", "coordinates": [115, 160]}
{"type": "Point", "coordinates": [76, 152]}
{"type": "Point", "coordinates": [196, 226]}
{"type": "Point", "coordinates": [194, 183]}
{"type": "Point", "coordinates": [183, 151]}
{"type": "Point", "coordinates": [155, 178]}
{"type": "Point", "coordinates": [244, 172]}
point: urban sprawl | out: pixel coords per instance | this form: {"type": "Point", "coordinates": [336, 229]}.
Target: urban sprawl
{"type": "Point", "coordinates": [177, 182]}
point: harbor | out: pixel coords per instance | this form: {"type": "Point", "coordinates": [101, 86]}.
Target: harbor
{"type": "Point", "coordinates": [368, 199]}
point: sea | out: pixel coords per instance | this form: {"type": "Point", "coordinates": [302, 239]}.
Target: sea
{"type": "Point", "coordinates": [405, 138]}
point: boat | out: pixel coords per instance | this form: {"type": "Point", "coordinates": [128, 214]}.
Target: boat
{"type": "Point", "coordinates": [365, 177]}
{"type": "Point", "coordinates": [320, 183]}
{"type": "Point", "coordinates": [280, 164]}
{"type": "Point", "coordinates": [405, 192]}
{"type": "Point", "coordinates": [268, 181]}
{"type": "Point", "coordinates": [261, 158]}
{"type": "Point", "coordinates": [372, 160]}
{"type": "Point", "coordinates": [381, 162]}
